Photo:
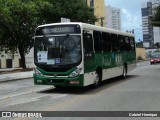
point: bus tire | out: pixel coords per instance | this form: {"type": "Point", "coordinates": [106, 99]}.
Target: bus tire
{"type": "Point", "coordinates": [124, 74]}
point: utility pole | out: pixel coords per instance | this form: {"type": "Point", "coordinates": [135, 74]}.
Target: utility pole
{"type": "Point", "coordinates": [101, 20]}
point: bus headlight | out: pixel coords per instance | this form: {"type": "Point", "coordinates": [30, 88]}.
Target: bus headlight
{"type": "Point", "coordinates": [37, 72]}
{"type": "Point", "coordinates": [76, 72]}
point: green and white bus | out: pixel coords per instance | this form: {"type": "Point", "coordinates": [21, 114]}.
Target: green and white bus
{"type": "Point", "coordinates": [80, 54]}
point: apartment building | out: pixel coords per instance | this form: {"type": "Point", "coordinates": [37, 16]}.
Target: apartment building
{"type": "Point", "coordinates": [113, 17]}
{"type": "Point", "coordinates": [151, 34]}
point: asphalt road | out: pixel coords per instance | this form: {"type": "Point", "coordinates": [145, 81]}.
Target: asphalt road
{"type": "Point", "coordinates": [140, 91]}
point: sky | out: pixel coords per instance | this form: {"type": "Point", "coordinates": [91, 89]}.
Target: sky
{"type": "Point", "coordinates": [130, 15]}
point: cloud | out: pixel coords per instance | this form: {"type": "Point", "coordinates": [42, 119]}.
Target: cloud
{"type": "Point", "coordinates": [129, 20]}
{"type": "Point", "coordinates": [130, 14]}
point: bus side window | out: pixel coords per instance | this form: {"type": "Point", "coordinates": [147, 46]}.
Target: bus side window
{"type": "Point", "coordinates": [114, 42]}
{"type": "Point", "coordinates": [126, 43]}
{"type": "Point", "coordinates": [97, 41]}
{"type": "Point", "coordinates": [106, 42]}
{"type": "Point", "coordinates": [132, 43]}
{"type": "Point", "coordinates": [87, 43]}
{"type": "Point", "coordinates": [120, 43]}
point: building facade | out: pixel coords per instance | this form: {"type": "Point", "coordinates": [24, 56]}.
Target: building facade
{"type": "Point", "coordinates": [113, 17]}
{"type": "Point", "coordinates": [151, 34]}
{"type": "Point", "coordinates": [99, 10]}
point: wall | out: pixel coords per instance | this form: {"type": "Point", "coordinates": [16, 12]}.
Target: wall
{"type": "Point", "coordinates": [9, 62]}
{"type": "Point", "coordinates": [99, 7]}
{"type": "Point", "coordinates": [141, 53]}
{"type": "Point", "coordinates": [15, 61]}
{"type": "Point", "coordinates": [30, 59]}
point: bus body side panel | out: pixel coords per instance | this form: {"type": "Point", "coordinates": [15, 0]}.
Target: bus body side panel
{"type": "Point", "coordinates": [131, 61]}
{"type": "Point", "coordinates": [89, 78]}
{"type": "Point", "coordinates": [113, 65]}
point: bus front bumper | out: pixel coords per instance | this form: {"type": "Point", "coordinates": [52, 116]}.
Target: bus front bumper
{"type": "Point", "coordinates": [59, 81]}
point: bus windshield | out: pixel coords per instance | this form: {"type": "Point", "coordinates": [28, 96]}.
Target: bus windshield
{"type": "Point", "coordinates": [57, 50]}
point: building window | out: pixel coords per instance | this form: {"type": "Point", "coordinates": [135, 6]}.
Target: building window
{"type": "Point", "coordinates": [92, 3]}
{"type": "Point", "coordinates": [85, 1]}
{"type": "Point", "coordinates": [145, 12]}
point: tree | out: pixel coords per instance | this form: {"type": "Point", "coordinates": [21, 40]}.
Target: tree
{"type": "Point", "coordinates": [19, 18]}
{"type": "Point", "coordinates": [157, 45]}
{"type": "Point", "coordinates": [156, 17]}
{"type": "Point", "coordinates": [139, 44]}
{"type": "Point", "coordinates": [76, 10]}
{"type": "Point", "coordinates": [18, 21]}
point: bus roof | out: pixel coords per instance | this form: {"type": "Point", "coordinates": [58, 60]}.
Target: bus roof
{"type": "Point", "coordinates": [91, 27]}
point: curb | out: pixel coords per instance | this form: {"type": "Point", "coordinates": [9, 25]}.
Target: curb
{"type": "Point", "coordinates": [12, 79]}
{"type": "Point", "coordinates": [16, 76]}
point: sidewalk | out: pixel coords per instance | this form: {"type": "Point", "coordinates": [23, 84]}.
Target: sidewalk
{"type": "Point", "coordinates": [15, 76]}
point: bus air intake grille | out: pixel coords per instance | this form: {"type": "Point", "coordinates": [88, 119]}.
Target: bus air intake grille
{"type": "Point", "coordinates": [55, 80]}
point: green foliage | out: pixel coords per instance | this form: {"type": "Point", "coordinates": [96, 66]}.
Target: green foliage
{"type": "Point", "coordinates": [18, 21]}
{"type": "Point", "coordinates": [139, 44]}
{"type": "Point", "coordinates": [19, 18]}
{"type": "Point", "coordinates": [156, 17]}
{"type": "Point", "coordinates": [157, 45]}
{"type": "Point", "coordinates": [75, 10]}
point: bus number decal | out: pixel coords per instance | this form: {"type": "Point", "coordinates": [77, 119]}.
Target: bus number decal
{"type": "Point", "coordinates": [106, 61]}
{"type": "Point", "coordinates": [118, 59]}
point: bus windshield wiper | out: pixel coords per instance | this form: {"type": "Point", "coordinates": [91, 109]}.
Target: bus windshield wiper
{"type": "Point", "coordinates": [45, 37]}
{"type": "Point", "coordinates": [67, 36]}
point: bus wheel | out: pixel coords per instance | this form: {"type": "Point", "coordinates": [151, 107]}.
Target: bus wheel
{"type": "Point", "coordinates": [96, 81]}
{"type": "Point", "coordinates": [124, 72]}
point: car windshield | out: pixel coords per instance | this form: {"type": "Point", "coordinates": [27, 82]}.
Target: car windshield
{"type": "Point", "coordinates": [155, 56]}
{"type": "Point", "coordinates": [57, 50]}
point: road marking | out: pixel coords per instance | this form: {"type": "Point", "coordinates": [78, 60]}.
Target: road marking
{"type": "Point", "coordinates": [66, 103]}
{"type": "Point", "coordinates": [6, 97]}
{"type": "Point", "coordinates": [21, 101]}
{"type": "Point", "coordinates": [19, 94]}
{"type": "Point", "coordinates": [60, 96]}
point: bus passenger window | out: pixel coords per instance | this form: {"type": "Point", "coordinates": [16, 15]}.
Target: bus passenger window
{"type": "Point", "coordinates": [132, 43]}
{"type": "Point", "coordinates": [114, 42]}
{"type": "Point", "coordinates": [87, 43]}
{"type": "Point", "coordinates": [121, 43]}
{"type": "Point", "coordinates": [126, 43]}
{"type": "Point", "coordinates": [106, 41]}
{"type": "Point", "coordinates": [97, 41]}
